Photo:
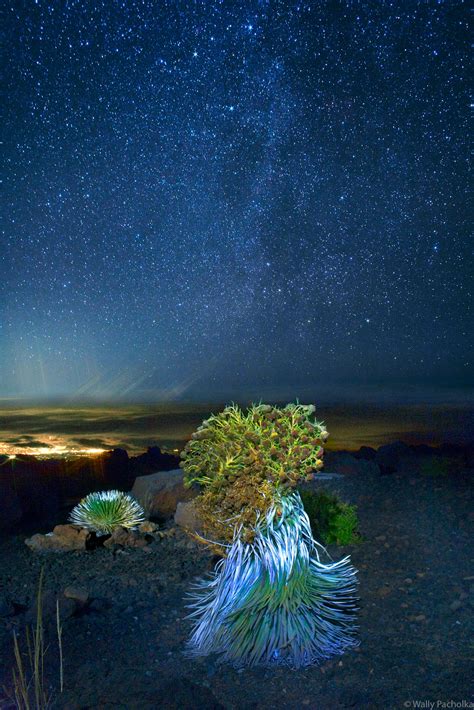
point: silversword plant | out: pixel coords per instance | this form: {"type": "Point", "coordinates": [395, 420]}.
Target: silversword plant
{"type": "Point", "coordinates": [104, 511]}
{"type": "Point", "coordinates": [270, 600]}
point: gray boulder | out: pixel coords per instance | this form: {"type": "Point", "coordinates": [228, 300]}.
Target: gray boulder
{"type": "Point", "coordinates": [187, 517]}
{"type": "Point", "coordinates": [159, 493]}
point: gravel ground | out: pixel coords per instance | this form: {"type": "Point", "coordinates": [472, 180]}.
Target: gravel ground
{"type": "Point", "coordinates": [124, 649]}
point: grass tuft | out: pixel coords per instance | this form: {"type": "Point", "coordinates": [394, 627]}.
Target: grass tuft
{"type": "Point", "coordinates": [30, 691]}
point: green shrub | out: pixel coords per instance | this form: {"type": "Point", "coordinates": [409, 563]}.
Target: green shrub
{"type": "Point", "coordinates": [332, 521]}
{"type": "Point", "coordinates": [440, 466]}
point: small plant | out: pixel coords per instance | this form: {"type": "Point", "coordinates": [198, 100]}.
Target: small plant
{"type": "Point", "coordinates": [332, 521]}
{"type": "Point", "coordinates": [105, 511]}
{"type": "Point", "coordinates": [29, 686]}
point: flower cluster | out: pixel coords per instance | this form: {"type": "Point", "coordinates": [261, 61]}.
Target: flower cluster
{"type": "Point", "coordinates": [244, 460]}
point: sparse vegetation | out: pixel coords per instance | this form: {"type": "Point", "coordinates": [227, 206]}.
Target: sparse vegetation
{"type": "Point", "coordinates": [30, 690]}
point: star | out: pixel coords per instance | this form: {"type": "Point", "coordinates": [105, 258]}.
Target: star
{"type": "Point", "coordinates": [204, 216]}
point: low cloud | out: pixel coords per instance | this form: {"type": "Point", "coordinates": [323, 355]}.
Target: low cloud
{"type": "Point", "coordinates": [137, 427]}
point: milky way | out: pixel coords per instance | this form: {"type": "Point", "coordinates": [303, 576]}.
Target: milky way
{"type": "Point", "coordinates": [208, 197]}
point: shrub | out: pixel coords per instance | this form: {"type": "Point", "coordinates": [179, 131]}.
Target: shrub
{"type": "Point", "coordinates": [105, 511]}
{"type": "Point", "coordinates": [440, 466]}
{"type": "Point", "coordinates": [332, 521]}
{"type": "Point", "coordinates": [242, 459]}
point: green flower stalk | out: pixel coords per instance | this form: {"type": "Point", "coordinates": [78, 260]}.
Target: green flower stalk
{"type": "Point", "coordinates": [105, 511]}
{"type": "Point", "coordinates": [242, 458]}
{"type": "Point", "coordinates": [270, 601]}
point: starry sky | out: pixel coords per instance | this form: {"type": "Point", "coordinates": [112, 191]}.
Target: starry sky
{"type": "Point", "coordinates": [208, 199]}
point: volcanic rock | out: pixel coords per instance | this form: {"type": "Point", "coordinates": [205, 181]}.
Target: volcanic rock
{"type": "Point", "coordinates": [148, 527]}
{"type": "Point", "coordinates": [389, 455]}
{"type": "Point", "coordinates": [121, 537]}
{"type": "Point", "coordinates": [187, 517]}
{"type": "Point", "coordinates": [348, 465]}
{"type": "Point", "coordinates": [160, 493]}
{"type": "Point", "coordinates": [64, 538]}
{"type": "Point", "coordinates": [78, 594]}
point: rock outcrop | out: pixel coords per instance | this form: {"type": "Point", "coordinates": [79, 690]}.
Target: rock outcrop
{"type": "Point", "coordinates": [187, 517]}
{"type": "Point", "coordinates": [160, 493]}
{"type": "Point", "coordinates": [64, 538]}
{"type": "Point", "coordinates": [389, 455]}
{"type": "Point", "coordinates": [121, 537]}
{"type": "Point", "coordinates": [345, 463]}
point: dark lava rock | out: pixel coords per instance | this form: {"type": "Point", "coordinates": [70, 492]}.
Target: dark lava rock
{"type": "Point", "coordinates": [121, 537]}
{"type": "Point", "coordinates": [366, 452]}
{"type": "Point", "coordinates": [99, 605]}
{"type": "Point", "coordinates": [388, 456]}
{"type": "Point", "coordinates": [10, 506]}
{"type": "Point", "coordinates": [6, 607]}
{"type": "Point", "coordinates": [49, 602]}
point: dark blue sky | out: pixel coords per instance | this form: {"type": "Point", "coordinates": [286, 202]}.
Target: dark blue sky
{"type": "Point", "coordinates": [207, 199]}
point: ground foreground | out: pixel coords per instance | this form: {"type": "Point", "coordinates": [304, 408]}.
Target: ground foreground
{"type": "Point", "coordinates": [124, 647]}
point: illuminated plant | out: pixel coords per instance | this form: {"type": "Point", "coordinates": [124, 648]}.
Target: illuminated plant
{"type": "Point", "coordinates": [241, 459]}
{"type": "Point", "coordinates": [270, 600]}
{"type": "Point", "coordinates": [105, 511]}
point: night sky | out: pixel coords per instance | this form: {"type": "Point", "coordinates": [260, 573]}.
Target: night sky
{"type": "Point", "coordinates": [206, 199]}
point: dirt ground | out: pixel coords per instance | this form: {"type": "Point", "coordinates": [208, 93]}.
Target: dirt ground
{"type": "Point", "coordinates": [124, 648]}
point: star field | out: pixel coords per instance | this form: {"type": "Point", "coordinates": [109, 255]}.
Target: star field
{"type": "Point", "coordinates": [207, 197]}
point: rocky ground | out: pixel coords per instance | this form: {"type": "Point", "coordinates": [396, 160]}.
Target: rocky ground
{"type": "Point", "coordinates": [124, 627]}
